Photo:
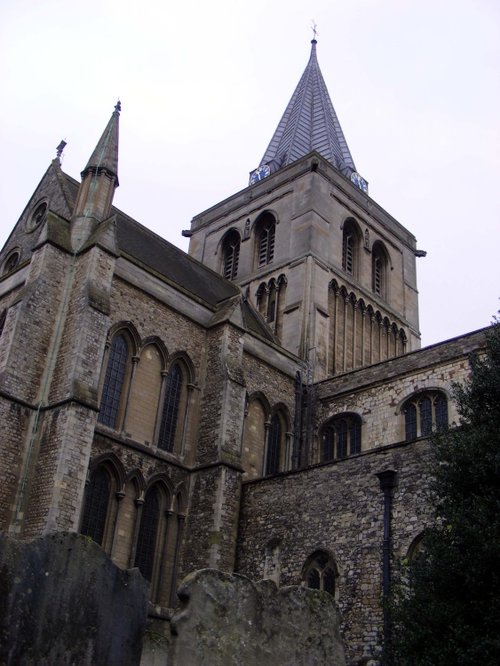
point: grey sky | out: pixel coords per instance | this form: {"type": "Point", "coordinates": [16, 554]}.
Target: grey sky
{"type": "Point", "coordinates": [203, 85]}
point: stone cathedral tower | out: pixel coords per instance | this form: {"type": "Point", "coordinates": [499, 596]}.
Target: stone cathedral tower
{"type": "Point", "coordinates": [331, 271]}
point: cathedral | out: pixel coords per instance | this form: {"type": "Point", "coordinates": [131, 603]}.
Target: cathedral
{"type": "Point", "coordinates": [260, 405]}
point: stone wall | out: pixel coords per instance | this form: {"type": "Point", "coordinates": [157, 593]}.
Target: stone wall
{"type": "Point", "coordinates": [338, 508]}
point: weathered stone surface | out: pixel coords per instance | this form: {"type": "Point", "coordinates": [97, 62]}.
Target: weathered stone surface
{"type": "Point", "coordinates": [226, 619]}
{"type": "Point", "coordinates": [62, 601]}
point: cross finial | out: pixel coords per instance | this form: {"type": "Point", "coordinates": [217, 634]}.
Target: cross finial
{"type": "Point", "coordinates": [60, 149]}
{"type": "Point", "coordinates": [118, 106]}
{"type": "Point", "coordinates": [314, 28]}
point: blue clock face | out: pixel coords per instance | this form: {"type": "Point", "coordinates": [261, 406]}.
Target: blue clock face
{"type": "Point", "coordinates": [259, 173]}
{"type": "Point", "coordinates": [359, 181]}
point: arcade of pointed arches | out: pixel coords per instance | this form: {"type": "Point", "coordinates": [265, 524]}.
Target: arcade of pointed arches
{"type": "Point", "coordinates": [144, 391]}
{"type": "Point", "coordinates": [138, 523]}
{"type": "Point", "coordinates": [267, 438]}
{"type": "Point", "coordinates": [359, 334]}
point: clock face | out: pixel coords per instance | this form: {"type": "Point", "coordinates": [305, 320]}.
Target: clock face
{"type": "Point", "coordinates": [259, 173]}
{"type": "Point", "coordinates": [359, 181]}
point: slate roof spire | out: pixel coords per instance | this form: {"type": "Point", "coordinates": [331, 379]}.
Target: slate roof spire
{"type": "Point", "coordinates": [105, 155]}
{"type": "Point", "coordinates": [99, 180]}
{"type": "Point", "coordinates": [309, 123]}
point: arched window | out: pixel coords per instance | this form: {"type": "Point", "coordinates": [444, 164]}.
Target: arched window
{"type": "Point", "coordinates": [96, 504]}
{"type": "Point", "coordinates": [379, 269]}
{"type": "Point", "coordinates": [271, 301]}
{"type": "Point", "coordinates": [254, 437]}
{"type": "Point", "coordinates": [148, 530]}
{"type": "Point", "coordinates": [320, 572]}
{"type": "Point", "coordinates": [265, 237]}
{"type": "Point", "coordinates": [174, 390]}
{"type": "Point", "coordinates": [11, 262]}
{"type": "Point", "coordinates": [423, 413]}
{"type": "Point", "coordinates": [144, 396]}
{"type": "Point", "coordinates": [231, 255]}
{"type": "Point", "coordinates": [341, 437]}
{"type": "Point", "coordinates": [274, 445]}
{"type": "Point", "coordinates": [112, 392]}
{"type": "Point", "coordinates": [350, 244]}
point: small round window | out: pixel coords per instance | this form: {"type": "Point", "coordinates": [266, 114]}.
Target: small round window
{"type": "Point", "coordinates": [11, 262]}
{"type": "Point", "coordinates": [37, 217]}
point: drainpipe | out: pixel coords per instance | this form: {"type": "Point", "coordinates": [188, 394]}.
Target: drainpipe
{"type": "Point", "coordinates": [387, 484]}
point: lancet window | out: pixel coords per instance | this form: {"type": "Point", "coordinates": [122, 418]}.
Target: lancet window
{"type": "Point", "coordinates": [114, 380]}
{"type": "Point", "coordinates": [231, 255]}
{"type": "Point", "coordinates": [379, 269]}
{"type": "Point", "coordinates": [170, 410]}
{"type": "Point", "coordinates": [350, 244]}
{"type": "Point", "coordinates": [265, 239]}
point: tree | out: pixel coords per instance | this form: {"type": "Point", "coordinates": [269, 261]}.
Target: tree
{"type": "Point", "coordinates": [449, 611]}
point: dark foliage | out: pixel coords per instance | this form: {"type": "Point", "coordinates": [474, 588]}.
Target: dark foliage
{"type": "Point", "coordinates": [448, 612]}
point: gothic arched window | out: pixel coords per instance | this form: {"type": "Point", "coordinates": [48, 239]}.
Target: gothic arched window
{"type": "Point", "coordinates": [341, 437]}
{"type": "Point", "coordinates": [379, 269]}
{"type": "Point", "coordinates": [423, 413]}
{"type": "Point", "coordinates": [148, 530]}
{"type": "Point", "coordinates": [320, 572]}
{"type": "Point", "coordinates": [265, 237]}
{"type": "Point", "coordinates": [231, 254]}
{"type": "Point", "coordinates": [171, 407]}
{"type": "Point", "coordinates": [112, 397]}
{"type": "Point", "coordinates": [350, 244]}
{"type": "Point", "coordinates": [274, 446]}
{"type": "Point", "coordinates": [96, 504]}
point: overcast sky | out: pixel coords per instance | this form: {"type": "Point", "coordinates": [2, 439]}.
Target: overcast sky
{"type": "Point", "coordinates": [415, 84]}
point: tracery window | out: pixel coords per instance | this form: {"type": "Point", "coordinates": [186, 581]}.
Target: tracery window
{"type": "Point", "coordinates": [170, 410]}
{"type": "Point", "coordinates": [265, 237]}
{"type": "Point", "coordinates": [112, 391]}
{"type": "Point", "coordinates": [320, 572]}
{"type": "Point", "coordinates": [341, 437]}
{"type": "Point", "coordinates": [424, 413]}
{"type": "Point", "coordinates": [231, 255]}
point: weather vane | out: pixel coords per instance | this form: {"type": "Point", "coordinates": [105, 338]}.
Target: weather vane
{"type": "Point", "coordinates": [314, 28]}
{"type": "Point", "coordinates": [60, 149]}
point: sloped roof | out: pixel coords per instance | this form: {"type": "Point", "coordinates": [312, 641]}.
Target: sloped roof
{"type": "Point", "coordinates": [309, 123]}
{"type": "Point", "coordinates": [164, 258]}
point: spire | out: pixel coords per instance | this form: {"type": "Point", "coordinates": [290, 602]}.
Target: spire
{"type": "Point", "coordinates": [99, 180]}
{"type": "Point", "coordinates": [105, 155]}
{"type": "Point", "coordinates": [309, 123]}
